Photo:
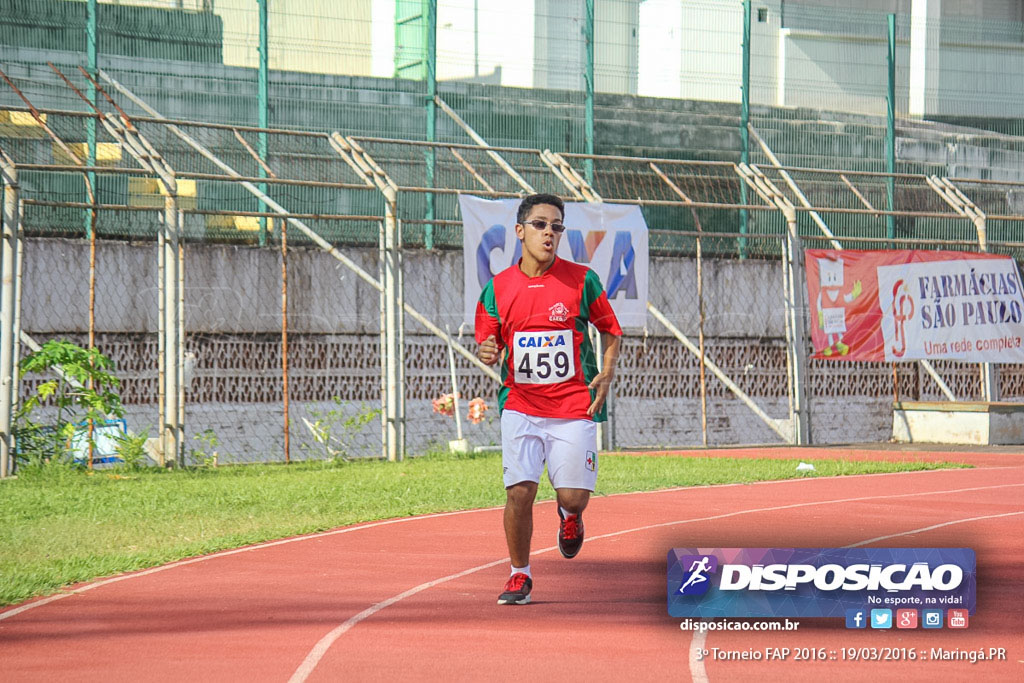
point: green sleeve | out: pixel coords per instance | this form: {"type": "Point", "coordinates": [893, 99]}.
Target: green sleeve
{"type": "Point", "coordinates": [488, 300]}
{"type": "Point", "coordinates": [592, 289]}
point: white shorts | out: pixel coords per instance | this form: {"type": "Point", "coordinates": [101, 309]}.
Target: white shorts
{"type": "Point", "coordinates": [569, 447]}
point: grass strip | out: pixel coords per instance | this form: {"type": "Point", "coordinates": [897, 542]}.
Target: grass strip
{"type": "Point", "coordinates": [60, 526]}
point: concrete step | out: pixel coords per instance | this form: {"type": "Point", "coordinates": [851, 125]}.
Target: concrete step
{"type": "Point", "coordinates": [816, 127]}
{"type": "Point", "coordinates": [666, 118]}
{"type": "Point", "coordinates": [665, 137]}
{"type": "Point", "coordinates": [692, 153]}
{"type": "Point", "coordinates": [636, 103]}
{"type": "Point", "coordinates": [875, 126]}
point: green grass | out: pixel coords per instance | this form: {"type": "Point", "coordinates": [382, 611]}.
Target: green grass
{"type": "Point", "coordinates": [61, 526]}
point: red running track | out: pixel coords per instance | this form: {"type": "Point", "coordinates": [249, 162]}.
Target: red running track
{"type": "Point", "coordinates": [414, 599]}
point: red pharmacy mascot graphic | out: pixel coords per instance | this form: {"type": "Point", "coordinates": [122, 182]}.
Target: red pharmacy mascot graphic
{"type": "Point", "coordinates": [832, 311]}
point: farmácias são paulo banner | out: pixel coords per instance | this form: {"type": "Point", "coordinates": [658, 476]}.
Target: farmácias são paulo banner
{"type": "Point", "coordinates": [912, 305]}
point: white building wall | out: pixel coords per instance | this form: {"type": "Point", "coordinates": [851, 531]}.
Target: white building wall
{"type": "Point", "coordinates": [616, 46]}
{"type": "Point", "coordinates": [560, 47]}
{"type": "Point", "coordinates": [660, 49]}
{"type": "Point", "coordinates": [955, 58]}
{"type": "Point", "coordinates": [712, 36]}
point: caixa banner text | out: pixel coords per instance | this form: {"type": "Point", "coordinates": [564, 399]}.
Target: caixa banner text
{"type": "Point", "coordinates": [610, 239]}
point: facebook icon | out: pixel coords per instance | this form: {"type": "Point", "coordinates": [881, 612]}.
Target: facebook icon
{"type": "Point", "coordinates": [856, 618]}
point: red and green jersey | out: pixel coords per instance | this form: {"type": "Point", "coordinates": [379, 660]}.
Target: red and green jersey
{"type": "Point", "coordinates": [541, 325]}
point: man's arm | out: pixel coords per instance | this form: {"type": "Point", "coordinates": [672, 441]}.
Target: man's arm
{"type": "Point", "coordinates": [603, 381]}
{"type": "Point", "coordinates": [488, 327]}
{"type": "Point", "coordinates": [600, 313]}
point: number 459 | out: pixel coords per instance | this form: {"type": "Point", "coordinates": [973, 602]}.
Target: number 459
{"type": "Point", "coordinates": [544, 365]}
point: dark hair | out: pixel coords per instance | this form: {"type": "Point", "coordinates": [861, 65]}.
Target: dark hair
{"type": "Point", "coordinates": [535, 199]}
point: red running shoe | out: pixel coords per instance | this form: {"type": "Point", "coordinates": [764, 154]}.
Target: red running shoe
{"type": "Point", "coordinates": [517, 590]}
{"type": "Point", "coordinates": [570, 535]}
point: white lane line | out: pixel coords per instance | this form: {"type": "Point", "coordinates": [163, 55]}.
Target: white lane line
{"type": "Point", "coordinates": [699, 673]}
{"type": "Point", "coordinates": [697, 670]}
{"type": "Point", "coordinates": [311, 660]}
{"type": "Point", "coordinates": [323, 534]}
{"type": "Point", "coordinates": [318, 651]}
{"type": "Point", "coordinates": [934, 526]}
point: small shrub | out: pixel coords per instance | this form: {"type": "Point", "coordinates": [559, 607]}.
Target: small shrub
{"type": "Point", "coordinates": [206, 455]}
{"type": "Point", "coordinates": [131, 448]}
{"type": "Point", "coordinates": [83, 391]}
{"type": "Point", "coordinates": [333, 433]}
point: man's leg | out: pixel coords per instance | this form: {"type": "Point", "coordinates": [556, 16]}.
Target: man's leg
{"type": "Point", "coordinates": [518, 533]}
{"type": "Point", "coordinates": [573, 501]}
{"type": "Point", "coordinates": [519, 521]}
{"type": "Point", "coordinates": [572, 468]}
{"type": "Point", "coordinates": [522, 459]}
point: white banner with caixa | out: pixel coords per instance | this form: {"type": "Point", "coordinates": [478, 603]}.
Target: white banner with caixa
{"type": "Point", "coordinates": [610, 239]}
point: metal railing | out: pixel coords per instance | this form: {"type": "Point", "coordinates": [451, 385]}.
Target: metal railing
{"type": "Point", "coordinates": [194, 189]}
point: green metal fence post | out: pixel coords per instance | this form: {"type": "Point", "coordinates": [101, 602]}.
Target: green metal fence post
{"type": "Point", "coordinates": [745, 124]}
{"type": "Point", "coordinates": [890, 131]}
{"type": "Point", "coordinates": [263, 107]}
{"type": "Point", "coordinates": [588, 37]}
{"type": "Point", "coordinates": [428, 233]}
{"type": "Point", "coordinates": [92, 59]}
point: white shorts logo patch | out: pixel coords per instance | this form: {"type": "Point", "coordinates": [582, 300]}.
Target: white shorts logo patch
{"type": "Point", "coordinates": [591, 460]}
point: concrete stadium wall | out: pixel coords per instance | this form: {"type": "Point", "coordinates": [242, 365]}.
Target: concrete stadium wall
{"type": "Point", "coordinates": [234, 293]}
{"type": "Point", "coordinates": [237, 290]}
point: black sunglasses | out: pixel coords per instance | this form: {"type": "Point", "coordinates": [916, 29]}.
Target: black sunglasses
{"type": "Point", "coordinates": [541, 225]}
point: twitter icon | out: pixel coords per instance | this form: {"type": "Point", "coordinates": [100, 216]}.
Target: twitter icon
{"type": "Point", "coordinates": [881, 618]}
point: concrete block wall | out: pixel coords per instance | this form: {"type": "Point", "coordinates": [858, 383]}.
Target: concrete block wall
{"type": "Point", "coordinates": [233, 295]}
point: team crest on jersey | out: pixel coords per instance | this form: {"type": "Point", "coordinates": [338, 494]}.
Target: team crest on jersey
{"type": "Point", "coordinates": [559, 313]}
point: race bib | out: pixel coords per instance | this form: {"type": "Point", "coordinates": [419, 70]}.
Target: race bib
{"type": "Point", "coordinates": [543, 357]}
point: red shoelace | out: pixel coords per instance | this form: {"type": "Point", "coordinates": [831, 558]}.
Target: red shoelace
{"type": "Point", "coordinates": [515, 582]}
{"type": "Point", "coordinates": [570, 527]}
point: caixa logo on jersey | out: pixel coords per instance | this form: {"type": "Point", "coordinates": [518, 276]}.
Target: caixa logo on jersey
{"type": "Point", "coordinates": [816, 582]}
{"type": "Point", "coordinates": [541, 341]}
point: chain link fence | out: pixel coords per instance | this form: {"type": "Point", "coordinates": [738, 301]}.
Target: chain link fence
{"type": "Point", "coordinates": [353, 205]}
{"type": "Point", "coordinates": [55, 304]}
{"type": "Point", "coordinates": [234, 410]}
{"type": "Point", "coordinates": [235, 399]}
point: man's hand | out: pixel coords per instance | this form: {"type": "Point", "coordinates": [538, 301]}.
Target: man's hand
{"type": "Point", "coordinates": [487, 352]}
{"type": "Point", "coordinates": [600, 386]}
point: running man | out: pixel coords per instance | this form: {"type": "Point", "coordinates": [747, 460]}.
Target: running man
{"type": "Point", "coordinates": [702, 567]}
{"type": "Point", "coordinates": [534, 317]}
